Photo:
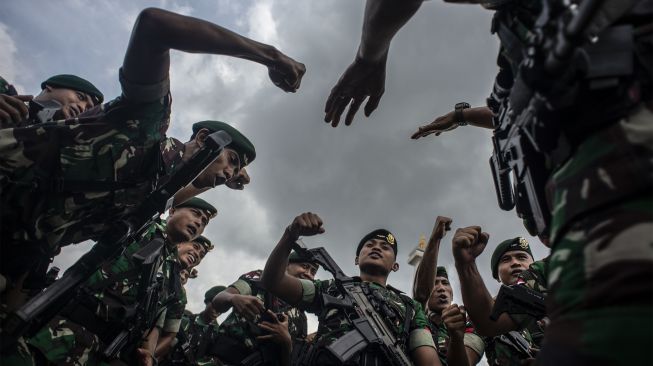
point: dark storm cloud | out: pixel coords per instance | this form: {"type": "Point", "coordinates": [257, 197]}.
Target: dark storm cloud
{"type": "Point", "coordinates": [357, 178]}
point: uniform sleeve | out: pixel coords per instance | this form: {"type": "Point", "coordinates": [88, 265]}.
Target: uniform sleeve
{"type": "Point", "coordinates": [311, 295]}
{"type": "Point", "coordinates": [242, 286]}
{"type": "Point", "coordinates": [473, 340]}
{"type": "Point", "coordinates": [143, 93]}
{"type": "Point", "coordinates": [419, 331]}
{"type": "Point", "coordinates": [173, 314]}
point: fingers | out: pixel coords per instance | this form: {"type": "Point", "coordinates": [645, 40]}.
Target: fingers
{"type": "Point", "coordinates": [339, 107]}
{"type": "Point", "coordinates": [267, 337]}
{"type": "Point", "coordinates": [10, 112]}
{"type": "Point", "coordinates": [372, 103]}
{"type": "Point", "coordinates": [353, 108]}
{"type": "Point", "coordinates": [18, 102]}
{"type": "Point", "coordinates": [24, 98]}
{"type": "Point", "coordinates": [307, 224]}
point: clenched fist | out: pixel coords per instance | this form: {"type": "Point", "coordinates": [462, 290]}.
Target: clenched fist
{"type": "Point", "coordinates": [468, 243]}
{"type": "Point", "coordinates": [306, 224]}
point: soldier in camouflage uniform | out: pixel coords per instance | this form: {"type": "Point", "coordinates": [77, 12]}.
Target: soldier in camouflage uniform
{"type": "Point", "coordinates": [601, 179]}
{"type": "Point", "coordinates": [246, 332]}
{"type": "Point", "coordinates": [376, 258]}
{"type": "Point", "coordinates": [107, 302]}
{"type": "Point", "coordinates": [71, 95]}
{"type": "Point", "coordinates": [196, 333]}
{"type": "Point", "coordinates": [64, 182]}
{"type": "Point", "coordinates": [454, 336]}
{"type": "Point", "coordinates": [512, 263]}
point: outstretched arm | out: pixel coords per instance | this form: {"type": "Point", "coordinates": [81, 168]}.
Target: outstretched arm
{"type": "Point", "coordinates": [274, 277]}
{"type": "Point", "coordinates": [425, 274]}
{"type": "Point", "coordinates": [469, 243]}
{"type": "Point", "coordinates": [157, 31]}
{"type": "Point", "coordinates": [365, 77]}
{"type": "Point", "coordinates": [478, 117]}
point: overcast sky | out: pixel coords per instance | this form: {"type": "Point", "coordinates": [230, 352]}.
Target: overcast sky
{"type": "Point", "coordinates": [357, 178]}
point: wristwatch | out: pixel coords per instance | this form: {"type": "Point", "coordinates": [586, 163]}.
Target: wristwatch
{"type": "Point", "coordinates": [458, 113]}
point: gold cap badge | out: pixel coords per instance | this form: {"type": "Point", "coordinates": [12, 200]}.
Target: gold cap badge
{"type": "Point", "coordinates": [390, 239]}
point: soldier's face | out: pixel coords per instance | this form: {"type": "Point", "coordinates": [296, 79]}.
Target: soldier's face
{"type": "Point", "coordinates": [72, 102]}
{"type": "Point", "coordinates": [185, 224]}
{"type": "Point", "coordinates": [441, 296]}
{"type": "Point", "coordinates": [210, 310]}
{"type": "Point", "coordinates": [377, 256]}
{"type": "Point", "coordinates": [224, 168]}
{"type": "Point", "coordinates": [511, 264]}
{"type": "Point", "coordinates": [190, 254]}
{"type": "Point", "coordinates": [302, 270]}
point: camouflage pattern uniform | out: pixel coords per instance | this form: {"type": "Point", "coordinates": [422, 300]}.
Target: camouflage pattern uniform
{"type": "Point", "coordinates": [600, 291]}
{"type": "Point", "coordinates": [333, 323]}
{"type": "Point", "coordinates": [441, 337]}
{"type": "Point", "coordinates": [196, 336]}
{"type": "Point", "coordinates": [90, 322]}
{"type": "Point", "coordinates": [241, 334]}
{"type": "Point", "coordinates": [64, 182]}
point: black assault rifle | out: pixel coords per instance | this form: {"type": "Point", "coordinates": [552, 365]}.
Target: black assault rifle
{"type": "Point", "coordinates": [41, 308]}
{"type": "Point", "coordinates": [370, 330]}
{"type": "Point", "coordinates": [519, 299]}
{"type": "Point", "coordinates": [524, 134]}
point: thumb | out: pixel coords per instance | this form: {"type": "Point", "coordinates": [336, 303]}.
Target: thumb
{"type": "Point", "coordinates": [24, 98]}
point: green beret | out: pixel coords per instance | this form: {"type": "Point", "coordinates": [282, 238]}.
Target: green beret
{"type": "Point", "coordinates": [210, 294]}
{"type": "Point", "coordinates": [205, 242]}
{"type": "Point", "coordinates": [517, 243]}
{"type": "Point", "coordinates": [381, 234]}
{"type": "Point", "coordinates": [196, 202]}
{"type": "Point", "coordinates": [239, 143]}
{"type": "Point", "coordinates": [441, 272]}
{"type": "Point", "coordinates": [295, 257]}
{"type": "Point", "coordinates": [75, 83]}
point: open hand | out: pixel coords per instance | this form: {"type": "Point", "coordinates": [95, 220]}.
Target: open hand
{"type": "Point", "coordinates": [361, 80]}
{"type": "Point", "coordinates": [441, 124]}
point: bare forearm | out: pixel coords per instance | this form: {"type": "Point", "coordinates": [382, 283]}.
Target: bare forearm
{"type": "Point", "coordinates": [479, 117]}
{"type": "Point", "coordinates": [425, 275]}
{"type": "Point", "coordinates": [164, 345]}
{"type": "Point", "coordinates": [456, 352]}
{"type": "Point", "coordinates": [476, 297]}
{"type": "Point", "coordinates": [222, 302]}
{"type": "Point", "coordinates": [274, 277]}
{"type": "Point", "coordinates": [382, 20]}
{"type": "Point", "coordinates": [157, 31]}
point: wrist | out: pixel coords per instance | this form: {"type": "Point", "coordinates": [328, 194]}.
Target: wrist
{"type": "Point", "coordinates": [458, 116]}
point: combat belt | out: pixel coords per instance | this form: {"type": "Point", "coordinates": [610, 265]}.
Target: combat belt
{"type": "Point", "coordinates": [560, 64]}
{"type": "Point", "coordinates": [35, 314]}
{"type": "Point", "coordinates": [370, 331]}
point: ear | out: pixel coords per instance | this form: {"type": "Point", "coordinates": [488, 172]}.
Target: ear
{"type": "Point", "coordinates": [395, 267]}
{"type": "Point", "coordinates": [171, 211]}
{"type": "Point", "coordinates": [356, 260]}
{"type": "Point", "coordinates": [201, 136]}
